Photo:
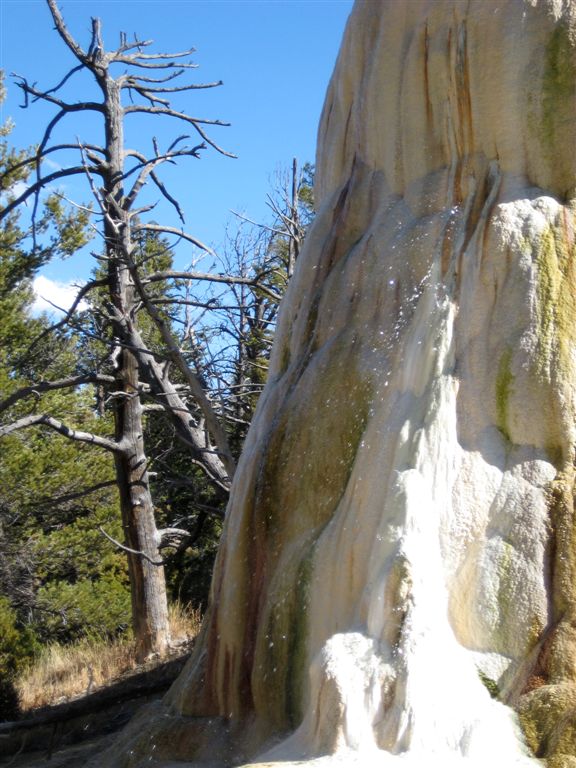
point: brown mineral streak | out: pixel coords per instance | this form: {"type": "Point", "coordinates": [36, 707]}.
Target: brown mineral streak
{"type": "Point", "coordinates": [430, 382]}
{"type": "Point", "coordinates": [426, 46]}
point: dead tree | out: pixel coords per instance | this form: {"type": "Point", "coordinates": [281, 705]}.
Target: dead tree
{"type": "Point", "coordinates": [116, 176]}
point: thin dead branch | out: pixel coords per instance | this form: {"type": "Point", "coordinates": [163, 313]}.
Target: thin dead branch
{"type": "Point", "coordinates": [42, 387]}
{"type": "Point", "coordinates": [43, 419]}
{"type": "Point", "coordinates": [129, 550]}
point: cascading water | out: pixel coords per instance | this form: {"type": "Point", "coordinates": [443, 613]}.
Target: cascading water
{"type": "Point", "coordinates": [396, 583]}
{"type": "Point", "coordinates": [403, 692]}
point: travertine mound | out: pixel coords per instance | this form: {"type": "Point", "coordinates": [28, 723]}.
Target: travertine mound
{"type": "Point", "coordinates": [398, 569]}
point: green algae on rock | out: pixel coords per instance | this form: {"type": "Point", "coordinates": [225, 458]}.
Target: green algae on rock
{"type": "Point", "coordinates": [401, 539]}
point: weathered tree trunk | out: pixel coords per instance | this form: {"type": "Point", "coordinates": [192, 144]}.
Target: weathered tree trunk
{"type": "Point", "coordinates": [105, 169]}
{"type": "Point", "coordinates": [147, 580]}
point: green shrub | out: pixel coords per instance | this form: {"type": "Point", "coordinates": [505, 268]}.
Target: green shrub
{"type": "Point", "coordinates": [87, 608]}
{"type": "Point", "coordinates": [17, 647]}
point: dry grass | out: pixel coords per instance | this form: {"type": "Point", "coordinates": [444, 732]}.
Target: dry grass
{"type": "Point", "coordinates": [64, 672]}
{"type": "Point", "coordinates": [184, 621]}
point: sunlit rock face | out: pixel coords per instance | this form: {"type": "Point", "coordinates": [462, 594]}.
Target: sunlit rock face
{"type": "Point", "coordinates": [397, 581]}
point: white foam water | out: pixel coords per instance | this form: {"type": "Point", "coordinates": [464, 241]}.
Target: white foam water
{"type": "Point", "coordinates": [418, 700]}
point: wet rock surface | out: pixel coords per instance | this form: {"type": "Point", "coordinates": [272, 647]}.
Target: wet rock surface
{"type": "Point", "coordinates": [397, 574]}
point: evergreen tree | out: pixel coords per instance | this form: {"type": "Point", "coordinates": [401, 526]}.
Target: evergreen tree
{"type": "Point", "coordinates": [131, 350]}
{"type": "Point", "coordinates": [51, 495]}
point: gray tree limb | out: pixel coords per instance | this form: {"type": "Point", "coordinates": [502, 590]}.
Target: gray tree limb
{"type": "Point", "coordinates": [43, 419]}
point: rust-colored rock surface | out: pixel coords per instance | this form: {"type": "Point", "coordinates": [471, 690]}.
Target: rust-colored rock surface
{"type": "Point", "coordinates": [396, 584]}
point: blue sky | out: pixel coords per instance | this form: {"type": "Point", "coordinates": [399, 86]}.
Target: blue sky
{"type": "Point", "coordinates": [274, 56]}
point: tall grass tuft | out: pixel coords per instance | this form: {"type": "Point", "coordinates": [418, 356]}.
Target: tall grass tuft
{"type": "Point", "coordinates": [185, 622]}
{"type": "Point", "coordinates": [63, 672]}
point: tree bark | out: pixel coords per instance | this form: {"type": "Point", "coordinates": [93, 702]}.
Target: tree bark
{"type": "Point", "coordinates": [147, 581]}
{"type": "Point", "coordinates": [106, 172]}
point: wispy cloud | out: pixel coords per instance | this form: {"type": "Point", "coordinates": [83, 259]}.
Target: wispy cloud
{"type": "Point", "coordinates": [54, 297]}
{"type": "Point", "coordinates": [52, 164]}
{"type": "Point", "coordinates": [14, 191]}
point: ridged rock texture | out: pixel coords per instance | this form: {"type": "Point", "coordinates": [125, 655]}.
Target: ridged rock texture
{"type": "Point", "coordinates": [396, 584]}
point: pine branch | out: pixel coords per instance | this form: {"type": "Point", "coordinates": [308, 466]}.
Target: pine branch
{"type": "Point", "coordinates": [65, 498]}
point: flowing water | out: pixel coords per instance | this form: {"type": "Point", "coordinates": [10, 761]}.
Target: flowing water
{"type": "Point", "coordinates": [410, 695]}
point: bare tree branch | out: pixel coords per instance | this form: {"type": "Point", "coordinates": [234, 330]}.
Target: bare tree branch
{"type": "Point", "coordinates": [146, 168]}
{"type": "Point", "coordinates": [172, 537]}
{"type": "Point", "coordinates": [40, 155]}
{"type": "Point", "coordinates": [189, 87]}
{"type": "Point", "coordinates": [169, 156]}
{"type": "Point", "coordinates": [174, 231]}
{"type": "Point", "coordinates": [209, 304]}
{"type": "Point", "coordinates": [150, 56]}
{"type": "Point", "coordinates": [124, 548]}
{"type": "Point", "coordinates": [194, 121]}
{"type": "Point", "coordinates": [84, 290]}
{"type": "Point", "coordinates": [96, 193]}
{"type": "Point", "coordinates": [255, 282]}
{"type": "Point", "coordinates": [124, 46]}
{"type": "Point", "coordinates": [80, 106]}
{"type": "Point", "coordinates": [48, 132]}
{"type": "Point", "coordinates": [157, 80]}
{"type": "Point", "coordinates": [133, 62]}
{"type": "Point", "coordinates": [171, 274]}
{"type": "Point", "coordinates": [43, 419]}
{"type": "Point", "coordinates": [65, 498]}
{"type": "Point", "coordinates": [257, 224]}
{"type": "Point", "coordinates": [192, 435]}
{"type": "Point", "coordinates": [49, 386]}
{"type": "Point", "coordinates": [168, 196]}
{"type": "Point", "coordinates": [41, 184]}
{"type": "Point", "coordinates": [96, 50]}
{"type": "Point", "coordinates": [66, 78]}
{"type": "Point", "coordinates": [63, 32]}
{"type": "Point", "coordinates": [138, 108]}
{"type": "Point", "coordinates": [191, 379]}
